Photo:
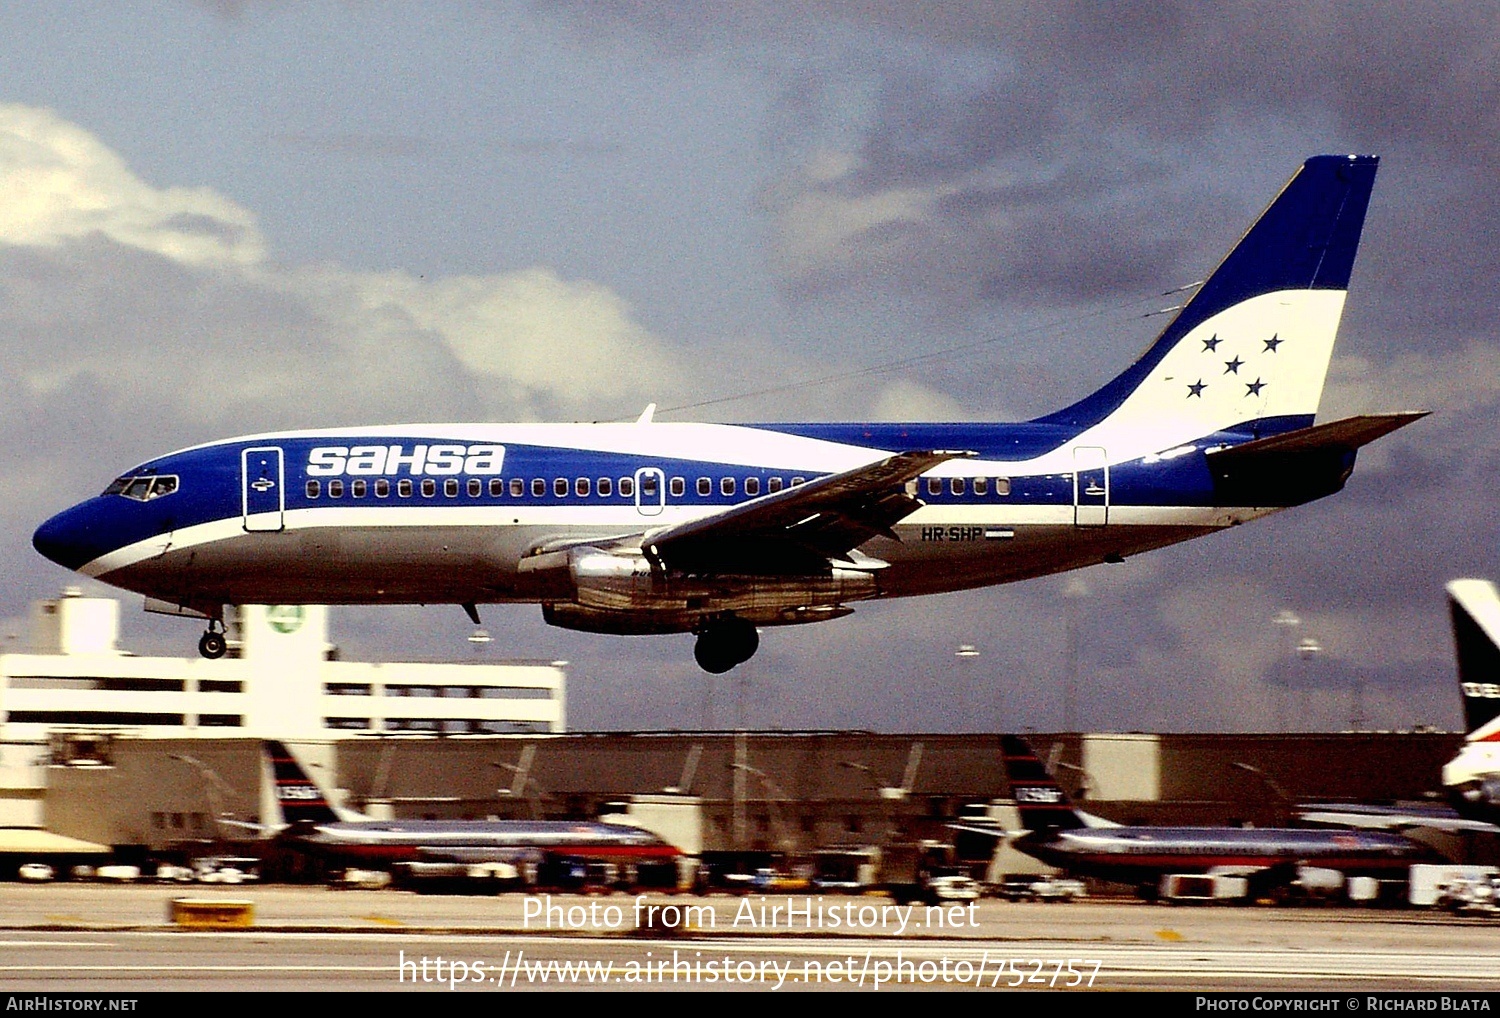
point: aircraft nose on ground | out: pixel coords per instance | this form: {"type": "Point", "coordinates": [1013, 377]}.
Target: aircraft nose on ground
{"type": "Point", "coordinates": [64, 539]}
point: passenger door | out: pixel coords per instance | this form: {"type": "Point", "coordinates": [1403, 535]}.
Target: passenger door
{"type": "Point", "coordinates": [263, 488]}
{"type": "Point", "coordinates": [1090, 486]}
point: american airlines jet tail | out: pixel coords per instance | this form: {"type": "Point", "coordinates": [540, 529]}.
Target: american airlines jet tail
{"type": "Point", "coordinates": [721, 530]}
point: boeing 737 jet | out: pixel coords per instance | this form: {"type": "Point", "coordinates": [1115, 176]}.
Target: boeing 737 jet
{"type": "Point", "coordinates": [343, 837]}
{"type": "Point", "coordinates": [1268, 857]}
{"type": "Point", "coordinates": [646, 527]}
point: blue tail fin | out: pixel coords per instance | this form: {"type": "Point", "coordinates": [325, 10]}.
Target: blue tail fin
{"type": "Point", "coordinates": [1253, 344]}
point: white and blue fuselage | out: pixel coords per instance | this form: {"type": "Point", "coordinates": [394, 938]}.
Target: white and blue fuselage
{"type": "Point", "coordinates": [652, 527]}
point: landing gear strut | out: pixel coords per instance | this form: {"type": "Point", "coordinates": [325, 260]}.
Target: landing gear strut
{"type": "Point", "coordinates": [212, 644]}
{"type": "Point", "coordinates": [724, 643]}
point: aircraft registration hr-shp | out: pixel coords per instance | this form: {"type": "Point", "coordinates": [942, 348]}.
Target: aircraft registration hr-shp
{"type": "Point", "coordinates": [647, 527]}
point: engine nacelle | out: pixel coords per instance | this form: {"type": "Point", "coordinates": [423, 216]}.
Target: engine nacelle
{"type": "Point", "coordinates": [626, 594]}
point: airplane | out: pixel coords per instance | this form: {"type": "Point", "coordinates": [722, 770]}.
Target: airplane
{"type": "Point", "coordinates": [719, 530]}
{"type": "Point", "coordinates": [1060, 835]}
{"type": "Point", "coordinates": [1472, 778]}
{"type": "Point", "coordinates": [345, 837]}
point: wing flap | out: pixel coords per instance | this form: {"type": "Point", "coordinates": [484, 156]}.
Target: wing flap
{"type": "Point", "coordinates": [799, 528]}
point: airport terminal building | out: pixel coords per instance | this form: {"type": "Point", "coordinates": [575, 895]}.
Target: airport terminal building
{"type": "Point", "coordinates": [74, 693]}
{"type": "Point", "coordinates": [148, 755]}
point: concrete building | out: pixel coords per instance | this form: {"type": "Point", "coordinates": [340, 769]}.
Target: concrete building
{"type": "Point", "coordinates": [742, 798]}
{"type": "Point", "coordinates": [280, 680]}
{"type": "Point", "coordinates": [73, 694]}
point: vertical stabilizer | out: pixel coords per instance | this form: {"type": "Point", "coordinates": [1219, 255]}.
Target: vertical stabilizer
{"type": "Point", "coordinates": [1476, 632]}
{"type": "Point", "coordinates": [300, 798]}
{"type": "Point", "coordinates": [1040, 800]}
{"type": "Point", "coordinates": [1250, 350]}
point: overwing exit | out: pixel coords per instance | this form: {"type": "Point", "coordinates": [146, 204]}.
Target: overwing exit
{"type": "Point", "coordinates": [721, 530]}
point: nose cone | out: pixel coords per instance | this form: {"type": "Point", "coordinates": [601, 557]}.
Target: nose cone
{"type": "Point", "coordinates": [65, 538]}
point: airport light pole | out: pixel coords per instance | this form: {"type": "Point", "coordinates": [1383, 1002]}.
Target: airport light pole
{"type": "Point", "coordinates": [1288, 621]}
{"type": "Point", "coordinates": [1074, 592]}
{"type": "Point", "coordinates": [967, 654]}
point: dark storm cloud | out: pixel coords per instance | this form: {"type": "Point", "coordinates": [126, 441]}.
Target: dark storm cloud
{"type": "Point", "coordinates": [1106, 109]}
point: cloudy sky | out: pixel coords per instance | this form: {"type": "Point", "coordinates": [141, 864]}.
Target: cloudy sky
{"type": "Point", "coordinates": [230, 217]}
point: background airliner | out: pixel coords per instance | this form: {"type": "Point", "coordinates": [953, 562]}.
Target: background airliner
{"type": "Point", "coordinates": [648, 527]}
{"type": "Point", "coordinates": [342, 837]}
{"type": "Point", "coordinates": [1060, 835]}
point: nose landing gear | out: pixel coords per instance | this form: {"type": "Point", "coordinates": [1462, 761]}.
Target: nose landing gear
{"type": "Point", "coordinates": [212, 644]}
{"type": "Point", "coordinates": [724, 643]}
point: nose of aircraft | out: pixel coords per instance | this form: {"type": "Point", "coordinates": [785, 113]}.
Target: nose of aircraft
{"type": "Point", "coordinates": [64, 539]}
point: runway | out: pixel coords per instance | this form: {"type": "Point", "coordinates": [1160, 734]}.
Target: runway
{"type": "Point", "coordinates": [90, 938]}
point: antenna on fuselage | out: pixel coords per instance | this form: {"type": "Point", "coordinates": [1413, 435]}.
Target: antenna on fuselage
{"type": "Point", "coordinates": [647, 414]}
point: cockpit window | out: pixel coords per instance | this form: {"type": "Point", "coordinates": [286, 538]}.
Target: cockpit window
{"type": "Point", "coordinates": [143, 489]}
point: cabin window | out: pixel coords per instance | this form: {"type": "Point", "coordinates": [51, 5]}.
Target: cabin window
{"type": "Point", "coordinates": [560, 487]}
{"type": "Point", "coordinates": [403, 487]}
{"type": "Point", "coordinates": [726, 485]}
{"type": "Point", "coordinates": [335, 489]}
{"type": "Point", "coordinates": [956, 485]}
{"type": "Point", "coordinates": [648, 485]}
{"type": "Point", "coordinates": [773, 484]}
{"type": "Point", "coordinates": [705, 486]}
{"type": "Point", "coordinates": [476, 487]}
{"type": "Point", "coordinates": [798, 480]}
{"type": "Point", "coordinates": [429, 487]}
{"type": "Point", "coordinates": [382, 488]}
{"type": "Point", "coordinates": [606, 487]}
{"type": "Point", "coordinates": [517, 487]}
{"type": "Point", "coordinates": [358, 488]}
{"type": "Point", "coordinates": [314, 489]}
{"type": "Point", "coordinates": [497, 487]}
{"type": "Point", "coordinates": [538, 487]}
{"type": "Point", "coordinates": [677, 486]}
{"type": "Point", "coordinates": [581, 487]}
{"type": "Point", "coordinates": [627, 486]}
{"type": "Point", "coordinates": [450, 487]}
{"type": "Point", "coordinates": [752, 486]}
{"type": "Point", "coordinates": [1002, 485]}
{"type": "Point", "coordinates": [981, 485]}
{"type": "Point", "coordinates": [934, 486]}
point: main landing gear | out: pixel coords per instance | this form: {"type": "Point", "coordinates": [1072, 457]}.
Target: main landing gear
{"type": "Point", "coordinates": [212, 644]}
{"type": "Point", "coordinates": [724, 643]}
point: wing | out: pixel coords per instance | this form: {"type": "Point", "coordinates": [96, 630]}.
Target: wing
{"type": "Point", "coordinates": [798, 529]}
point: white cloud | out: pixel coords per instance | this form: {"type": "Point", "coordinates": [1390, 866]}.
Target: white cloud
{"type": "Point", "coordinates": [58, 182]}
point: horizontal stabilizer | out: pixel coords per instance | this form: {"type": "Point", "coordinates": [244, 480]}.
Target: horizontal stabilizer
{"type": "Point", "coordinates": [1297, 466]}
{"type": "Point", "coordinates": [1349, 433]}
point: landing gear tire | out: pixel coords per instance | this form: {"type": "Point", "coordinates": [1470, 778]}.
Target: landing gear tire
{"type": "Point", "coordinates": [212, 645]}
{"type": "Point", "coordinates": [722, 645]}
